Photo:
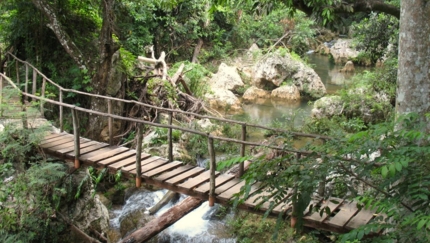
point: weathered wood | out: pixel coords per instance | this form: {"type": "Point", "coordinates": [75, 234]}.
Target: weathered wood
{"type": "Point", "coordinates": [165, 200]}
{"type": "Point", "coordinates": [219, 180]}
{"type": "Point", "coordinates": [117, 158]}
{"type": "Point", "coordinates": [42, 94]}
{"type": "Point", "coordinates": [76, 128]}
{"type": "Point", "coordinates": [33, 91]}
{"type": "Point", "coordinates": [142, 163]}
{"type": "Point", "coordinates": [242, 150]}
{"type": "Point", "coordinates": [346, 211]}
{"type": "Point", "coordinates": [26, 81]}
{"type": "Point", "coordinates": [162, 169]}
{"type": "Point", "coordinates": [198, 180]}
{"type": "Point", "coordinates": [61, 111]}
{"type": "Point", "coordinates": [212, 168]}
{"type": "Point", "coordinates": [112, 152]}
{"type": "Point", "coordinates": [361, 218]}
{"type": "Point", "coordinates": [329, 203]}
{"type": "Point", "coordinates": [177, 179]}
{"type": "Point", "coordinates": [168, 218]}
{"type": "Point", "coordinates": [128, 161]}
{"type": "Point", "coordinates": [110, 122]}
{"type": "Point", "coordinates": [170, 138]}
{"type": "Point", "coordinates": [173, 173]}
{"type": "Point", "coordinates": [83, 144]}
{"type": "Point", "coordinates": [153, 165]}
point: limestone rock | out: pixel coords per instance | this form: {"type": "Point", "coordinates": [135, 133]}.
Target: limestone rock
{"type": "Point", "coordinates": [272, 71]}
{"type": "Point", "coordinates": [348, 68]}
{"type": "Point", "coordinates": [226, 78]}
{"type": "Point", "coordinates": [224, 99]}
{"type": "Point", "coordinates": [342, 51]}
{"type": "Point", "coordinates": [323, 49]}
{"type": "Point", "coordinates": [253, 93]}
{"type": "Point", "coordinates": [286, 92]}
{"type": "Point", "coordinates": [327, 107]}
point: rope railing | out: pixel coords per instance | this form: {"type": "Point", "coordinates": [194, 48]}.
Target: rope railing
{"type": "Point", "coordinates": [110, 116]}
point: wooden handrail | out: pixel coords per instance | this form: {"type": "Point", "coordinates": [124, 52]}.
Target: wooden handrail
{"type": "Point", "coordinates": [167, 110]}
{"type": "Point", "coordinates": [140, 122]}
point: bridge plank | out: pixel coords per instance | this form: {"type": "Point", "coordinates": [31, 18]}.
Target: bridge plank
{"type": "Point", "coordinates": [173, 173]}
{"type": "Point", "coordinates": [57, 138]}
{"type": "Point", "coordinates": [89, 149]}
{"type": "Point", "coordinates": [346, 211]}
{"type": "Point", "coordinates": [132, 162]}
{"type": "Point", "coordinates": [221, 179]}
{"type": "Point", "coordinates": [200, 179]}
{"type": "Point", "coordinates": [128, 161]}
{"type": "Point", "coordinates": [162, 169]}
{"type": "Point", "coordinates": [285, 204]}
{"type": "Point", "coordinates": [317, 217]}
{"type": "Point", "coordinates": [65, 145]}
{"type": "Point", "coordinates": [228, 194]}
{"type": "Point", "coordinates": [361, 218]}
{"type": "Point", "coordinates": [314, 202]}
{"type": "Point", "coordinates": [258, 198]}
{"type": "Point", "coordinates": [227, 186]}
{"type": "Point", "coordinates": [116, 158]}
{"type": "Point", "coordinates": [183, 176]}
{"type": "Point", "coordinates": [69, 149]}
{"type": "Point", "coordinates": [113, 152]}
{"type": "Point", "coordinates": [52, 135]}
{"type": "Point", "coordinates": [101, 151]}
{"type": "Point", "coordinates": [150, 166]}
{"type": "Point", "coordinates": [59, 141]}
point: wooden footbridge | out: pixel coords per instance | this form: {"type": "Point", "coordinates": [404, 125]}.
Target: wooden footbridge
{"type": "Point", "coordinates": [167, 173]}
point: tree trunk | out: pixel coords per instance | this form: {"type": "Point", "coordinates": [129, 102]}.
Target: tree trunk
{"type": "Point", "coordinates": [168, 218]}
{"type": "Point", "coordinates": [413, 83]}
{"type": "Point", "coordinates": [165, 200]}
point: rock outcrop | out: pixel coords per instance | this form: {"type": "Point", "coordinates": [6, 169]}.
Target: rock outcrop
{"type": "Point", "coordinates": [342, 51]}
{"type": "Point", "coordinates": [272, 71]}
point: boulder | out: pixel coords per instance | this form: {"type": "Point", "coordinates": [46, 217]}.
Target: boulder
{"type": "Point", "coordinates": [253, 93]}
{"type": "Point", "coordinates": [223, 99]}
{"type": "Point", "coordinates": [226, 78]}
{"type": "Point", "coordinates": [328, 106]}
{"type": "Point", "coordinates": [348, 68]}
{"type": "Point", "coordinates": [286, 92]}
{"type": "Point", "coordinates": [342, 51]}
{"type": "Point", "coordinates": [271, 71]}
{"type": "Point", "coordinates": [179, 152]}
{"type": "Point", "coordinates": [323, 49]}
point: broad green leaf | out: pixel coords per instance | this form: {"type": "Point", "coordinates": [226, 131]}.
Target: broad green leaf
{"type": "Point", "coordinates": [398, 166]}
{"type": "Point", "coordinates": [384, 171]}
{"type": "Point", "coordinates": [421, 223]}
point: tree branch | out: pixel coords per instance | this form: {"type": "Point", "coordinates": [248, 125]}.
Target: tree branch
{"type": "Point", "coordinates": [62, 36]}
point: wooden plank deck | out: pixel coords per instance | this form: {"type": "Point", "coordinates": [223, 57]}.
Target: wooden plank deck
{"type": "Point", "coordinates": [194, 181]}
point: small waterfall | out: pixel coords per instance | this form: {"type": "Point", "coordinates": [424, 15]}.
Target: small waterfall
{"type": "Point", "coordinates": [200, 225]}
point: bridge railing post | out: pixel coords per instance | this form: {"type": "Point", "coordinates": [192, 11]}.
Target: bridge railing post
{"type": "Point", "coordinates": [42, 95]}
{"type": "Point", "coordinates": [1, 96]}
{"type": "Point", "coordinates": [242, 150]}
{"type": "Point", "coordinates": [75, 120]}
{"type": "Point", "coordinates": [33, 92]}
{"type": "Point", "coordinates": [212, 167]}
{"type": "Point", "coordinates": [139, 155]}
{"type": "Point", "coordinates": [26, 82]}
{"type": "Point", "coordinates": [110, 122]}
{"type": "Point", "coordinates": [61, 111]}
{"type": "Point", "coordinates": [170, 137]}
{"type": "Point", "coordinates": [17, 71]}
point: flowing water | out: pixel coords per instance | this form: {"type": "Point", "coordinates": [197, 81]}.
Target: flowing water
{"type": "Point", "coordinates": [202, 224]}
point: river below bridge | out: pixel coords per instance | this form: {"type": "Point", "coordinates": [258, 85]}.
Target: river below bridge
{"type": "Point", "coordinates": [202, 224]}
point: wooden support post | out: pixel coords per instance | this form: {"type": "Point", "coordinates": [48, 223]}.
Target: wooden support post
{"type": "Point", "coordinates": [110, 122]}
{"type": "Point", "coordinates": [170, 137]}
{"type": "Point", "coordinates": [1, 96]}
{"type": "Point", "coordinates": [42, 95]}
{"type": "Point", "coordinates": [33, 92]}
{"type": "Point", "coordinates": [242, 150]}
{"type": "Point", "coordinates": [138, 155]}
{"type": "Point", "coordinates": [17, 71]}
{"type": "Point", "coordinates": [76, 139]}
{"type": "Point", "coordinates": [61, 111]}
{"type": "Point", "coordinates": [212, 171]}
{"type": "Point", "coordinates": [26, 81]}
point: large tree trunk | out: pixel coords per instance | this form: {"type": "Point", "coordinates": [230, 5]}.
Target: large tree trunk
{"type": "Point", "coordinates": [413, 84]}
{"type": "Point", "coordinates": [168, 218]}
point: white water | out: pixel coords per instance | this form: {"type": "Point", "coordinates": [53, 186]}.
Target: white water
{"type": "Point", "coordinates": [200, 225]}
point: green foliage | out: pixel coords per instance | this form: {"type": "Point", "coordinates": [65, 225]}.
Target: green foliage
{"type": "Point", "coordinates": [162, 136]}
{"type": "Point", "coordinates": [374, 34]}
{"type": "Point", "coordinates": [36, 195]}
{"type": "Point", "coordinates": [195, 76]}
{"type": "Point", "coordinates": [389, 160]}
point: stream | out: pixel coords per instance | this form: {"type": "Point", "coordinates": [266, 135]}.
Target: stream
{"type": "Point", "coordinates": [202, 224]}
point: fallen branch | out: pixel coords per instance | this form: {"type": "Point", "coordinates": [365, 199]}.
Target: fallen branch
{"type": "Point", "coordinates": [166, 199]}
